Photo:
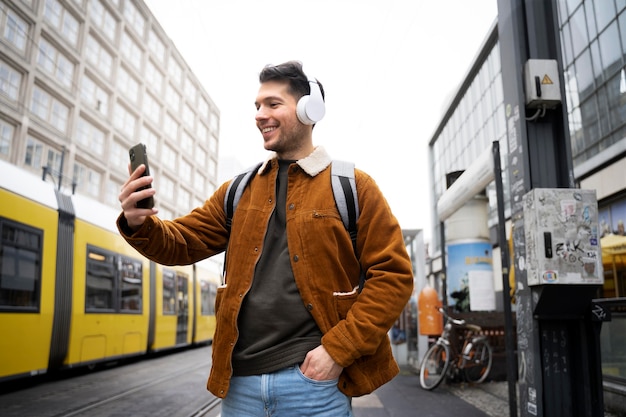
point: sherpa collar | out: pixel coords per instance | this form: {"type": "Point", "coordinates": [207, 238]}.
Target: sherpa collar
{"type": "Point", "coordinates": [313, 164]}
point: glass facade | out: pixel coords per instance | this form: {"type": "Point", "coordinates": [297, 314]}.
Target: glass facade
{"type": "Point", "coordinates": [593, 38]}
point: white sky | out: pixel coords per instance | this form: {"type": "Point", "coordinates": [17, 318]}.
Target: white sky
{"type": "Point", "coordinates": [388, 68]}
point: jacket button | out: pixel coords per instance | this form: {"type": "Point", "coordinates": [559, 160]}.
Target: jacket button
{"type": "Point", "coordinates": [309, 306]}
{"type": "Point", "coordinates": [292, 206]}
{"type": "Point", "coordinates": [296, 258]}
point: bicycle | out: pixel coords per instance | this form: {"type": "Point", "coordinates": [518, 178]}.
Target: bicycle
{"type": "Point", "coordinates": [460, 347]}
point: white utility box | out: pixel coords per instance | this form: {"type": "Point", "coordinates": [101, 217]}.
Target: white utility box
{"type": "Point", "coordinates": [562, 241]}
{"type": "Point", "coordinates": [541, 80]}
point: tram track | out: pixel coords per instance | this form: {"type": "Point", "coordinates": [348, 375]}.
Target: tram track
{"type": "Point", "coordinates": [129, 392]}
{"type": "Point", "coordinates": [168, 386]}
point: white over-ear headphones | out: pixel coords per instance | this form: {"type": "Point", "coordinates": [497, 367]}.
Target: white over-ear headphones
{"type": "Point", "coordinates": [311, 108]}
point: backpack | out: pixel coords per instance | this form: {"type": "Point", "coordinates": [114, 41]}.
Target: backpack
{"type": "Point", "coordinates": [344, 189]}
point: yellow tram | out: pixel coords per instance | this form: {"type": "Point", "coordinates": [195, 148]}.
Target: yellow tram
{"type": "Point", "coordinates": [74, 293]}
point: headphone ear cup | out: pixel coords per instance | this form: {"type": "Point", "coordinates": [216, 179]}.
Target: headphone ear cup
{"type": "Point", "coordinates": [311, 108]}
{"type": "Point", "coordinates": [301, 110]}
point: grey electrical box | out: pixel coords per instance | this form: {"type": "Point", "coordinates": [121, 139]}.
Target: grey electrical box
{"type": "Point", "coordinates": [541, 80]}
{"type": "Point", "coordinates": [562, 241]}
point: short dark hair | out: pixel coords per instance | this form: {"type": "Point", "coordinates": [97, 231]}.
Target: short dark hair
{"type": "Point", "coordinates": [290, 72]}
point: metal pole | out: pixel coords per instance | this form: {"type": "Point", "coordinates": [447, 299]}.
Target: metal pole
{"type": "Point", "coordinates": [511, 363]}
{"type": "Point", "coordinates": [444, 279]}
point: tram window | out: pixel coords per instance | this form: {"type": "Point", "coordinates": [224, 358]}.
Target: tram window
{"type": "Point", "coordinates": [113, 282]}
{"type": "Point", "coordinates": [20, 266]}
{"type": "Point", "coordinates": [207, 296]}
{"type": "Point", "coordinates": [169, 292]}
{"type": "Point", "coordinates": [130, 285]}
{"type": "Point", "coordinates": [100, 280]}
{"type": "Point", "coordinates": [183, 297]}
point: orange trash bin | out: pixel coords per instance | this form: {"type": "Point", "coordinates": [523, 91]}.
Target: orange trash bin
{"type": "Point", "coordinates": [429, 317]}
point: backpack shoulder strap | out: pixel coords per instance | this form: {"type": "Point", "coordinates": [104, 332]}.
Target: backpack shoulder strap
{"type": "Point", "coordinates": [235, 190]}
{"type": "Point", "coordinates": [344, 189]}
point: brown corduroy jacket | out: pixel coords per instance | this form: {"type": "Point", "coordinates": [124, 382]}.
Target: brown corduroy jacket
{"type": "Point", "coordinates": [354, 325]}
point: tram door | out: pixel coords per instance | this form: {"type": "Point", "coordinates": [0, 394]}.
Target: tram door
{"type": "Point", "coordinates": [182, 300]}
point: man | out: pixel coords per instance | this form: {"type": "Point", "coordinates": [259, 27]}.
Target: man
{"type": "Point", "coordinates": [294, 336]}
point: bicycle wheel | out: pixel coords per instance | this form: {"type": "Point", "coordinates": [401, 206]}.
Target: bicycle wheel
{"type": "Point", "coordinates": [478, 361]}
{"type": "Point", "coordinates": [434, 366]}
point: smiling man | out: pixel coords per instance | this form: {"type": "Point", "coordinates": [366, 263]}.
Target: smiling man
{"type": "Point", "coordinates": [298, 334]}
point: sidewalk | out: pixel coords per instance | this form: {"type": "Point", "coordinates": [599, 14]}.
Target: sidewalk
{"type": "Point", "coordinates": [403, 397]}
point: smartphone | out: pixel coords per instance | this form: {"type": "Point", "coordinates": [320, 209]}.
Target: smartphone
{"type": "Point", "coordinates": [139, 155]}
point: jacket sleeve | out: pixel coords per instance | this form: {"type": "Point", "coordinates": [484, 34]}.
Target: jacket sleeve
{"type": "Point", "coordinates": [389, 279]}
{"type": "Point", "coordinates": [185, 240]}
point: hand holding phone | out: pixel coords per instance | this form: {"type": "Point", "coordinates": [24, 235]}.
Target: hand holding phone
{"type": "Point", "coordinates": [139, 155]}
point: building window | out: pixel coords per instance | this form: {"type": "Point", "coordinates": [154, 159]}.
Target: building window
{"type": "Point", "coordinates": [152, 108]}
{"type": "Point", "coordinates": [169, 157]}
{"type": "Point", "coordinates": [166, 188]}
{"type": "Point", "coordinates": [55, 63]}
{"type": "Point", "coordinates": [184, 199]}
{"type": "Point", "coordinates": [190, 91]}
{"type": "Point", "coordinates": [134, 18]}
{"type": "Point", "coordinates": [90, 137]}
{"type": "Point", "coordinates": [112, 193]}
{"type": "Point", "coordinates": [151, 140]}
{"type": "Point", "coordinates": [14, 28]}
{"type": "Point", "coordinates": [203, 108]}
{"type": "Point", "coordinates": [10, 81]}
{"type": "Point", "coordinates": [103, 19]}
{"type": "Point", "coordinates": [175, 70]}
{"type": "Point", "coordinates": [99, 57]}
{"type": "Point", "coordinates": [156, 45]}
{"type": "Point", "coordinates": [21, 249]}
{"type": "Point", "coordinates": [154, 77]}
{"type": "Point", "coordinates": [214, 122]}
{"type": "Point", "coordinates": [200, 156]}
{"type": "Point", "coordinates": [6, 138]}
{"type": "Point", "coordinates": [186, 143]}
{"type": "Point", "coordinates": [184, 171]}
{"type": "Point", "coordinates": [61, 20]}
{"type": "Point", "coordinates": [202, 132]}
{"type": "Point", "coordinates": [118, 160]}
{"type": "Point", "coordinates": [94, 95]}
{"type": "Point", "coordinates": [48, 108]}
{"type": "Point", "coordinates": [212, 168]}
{"type": "Point", "coordinates": [87, 180]}
{"type": "Point", "coordinates": [39, 155]}
{"type": "Point", "coordinates": [170, 127]}
{"type": "Point", "coordinates": [131, 51]}
{"type": "Point", "coordinates": [213, 145]}
{"type": "Point", "coordinates": [199, 182]}
{"type": "Point", "coordinates": [124, 120]}
{"type": "Point", "coordinates": [128, 85]}
{"type": "Point", "coordinates": [173, 98]}
{"type": "Point", "coordinates": [189, 116]}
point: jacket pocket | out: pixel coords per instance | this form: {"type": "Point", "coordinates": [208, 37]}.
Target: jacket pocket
{"type": "Point", "coordinates": [344, 302]}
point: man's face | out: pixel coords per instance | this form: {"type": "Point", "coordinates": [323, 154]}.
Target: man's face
{"type": "Point", "coordinates": [277, 121]}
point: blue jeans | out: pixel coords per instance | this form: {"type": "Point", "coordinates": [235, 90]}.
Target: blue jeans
{"type": "Point", "coordinates": [284, 393]}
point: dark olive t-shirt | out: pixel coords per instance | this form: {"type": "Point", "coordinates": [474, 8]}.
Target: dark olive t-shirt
{"type": "Point", "coordinates": [275, 328]}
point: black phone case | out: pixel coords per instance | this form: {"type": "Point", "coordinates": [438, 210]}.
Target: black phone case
{"type": "Point", "coordinates": [139, 155]}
